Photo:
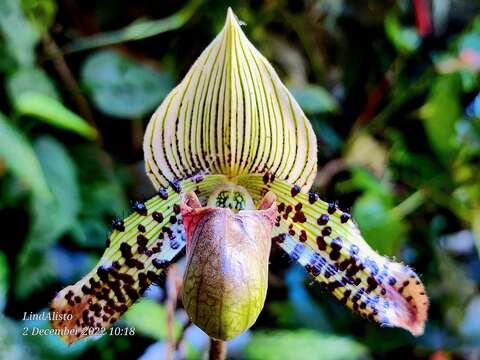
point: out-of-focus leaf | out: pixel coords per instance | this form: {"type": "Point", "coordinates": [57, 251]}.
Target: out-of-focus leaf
{"type": "Point", "coordinates": [30, 79]}
{"type": "Point", "coordinates": [34, 94]}
{"type": "Point", "coordinates": [51, 346]}
{"type": "Point", "coordinates": [440, 114]}
{"type": "Point", "coordinates": [101, 183]}
{"type": "Point", "coordinates": [53, 112]}
{"type": "Point", "coordinates": [149, 319]}
{"type": "Point", "coordinates": [471, 40]}
{"type": "Point", "coordinates": [4, 279]}
{"type": "Point", "coordinates": [470, 326]}
{"type": "Point", "coordinates": [51, 218]}
{"type": "Point", "coordinates": [476, 227]}
{"type": "Point", "coordinates": [91, 232]}
{"type": "Point", "coordinates": [362, 149]}
{"type": "Point", "coordinates": [7, 62]}
{"type": "Point", "coordinates": [40, 12]}
{"type": "Point", "coordinates": [307, 313]}
{"type": "Point", "coordinates": [123, 88]}
{"type": "Point", "coordinates": [12, 344]}
{"type": "Point", "coordinates": [158, 350]}
{"type": "Point", "coordinates": [460, 243]}
{"type": "Point", "coordinates": [302, 344]}
{"type": "Point", "coordinates": [456, 287]}
{"type": "Point", "coordinates": [34, 273]}
{"type": "Point", "coordinates": [329, 141]}
{"type": "Point", "coordinates": [363, 180]}
{"type": "Point", "coordinates": [473, 109]}
{"type": "Point", "coordinates": [20, 35]}
{"type": "Point", "coordinates": [103, 197]}
{"type": "Point", "coordinates": [20, 158]}
{"type": "Point", "coordinates": [405, 39]}
{"type": "Point", "coordinates": [70, 265]}
{"type": "Point", "coordinates": [382, 229]}
{"type": "Point", "coordinates": [314, 99]}
{"type": "Point", "coordinates": [138, 30]}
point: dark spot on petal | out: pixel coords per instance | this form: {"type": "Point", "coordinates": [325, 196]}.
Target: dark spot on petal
{"type": "Point", "coordinates": [312, 197]}
{"type": "Point", "coordinates": [323, 219]}
{"type": "Point", "coordinates": [326, 231]}
{"type": "Point", "coordinates": [118, 224]}
{"type": "Point", "coordinates": [336, 244]}
{"type": "Point", "coordinates": [322, 245]}
{"type": "Point", "coordinates": [303, 236]}
{"type": "Point", "coordinates": [126, 250]}
{"type": "Point", "coordinates": [142, 240]}
{"type": "Point", "coordinates": [157, 216]}
{"type": "Point", "coordinates": [163, 193]}
{"type": "Point", "coordinates": [331, 208]}
{"type": "Point", "coordinates": [160, 264]}
{"type": "Point", "coordinates": [344, 218]}
{"type": "Point", "coordinates": [334, 255]}
{"type": "Point", "coordinates": [140, 208]}
{"type": "Point", "coordinates": [102, 273]}
{"type": "Point", "coordinates": [295, 190]}
{"type": "Point", "coordinates": [176, 186]}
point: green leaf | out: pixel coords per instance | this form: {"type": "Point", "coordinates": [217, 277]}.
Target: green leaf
{"type": "Point", "coordinates": [55, 217]}
{"type": "Point", "coordinates": [440, 114]}
{"type": "Point", "coordinates": [138, 30]}
{"type": "Point", "coordinates": [363, 150]}
{"type": "Point", "coordinates": [53, 112]}
{"type": "Point", "coordinates": [470, 40]}
{"type": "Point", "coordinates": [302, 344]}
{"type": "Point", "coordinates": [52, 218]}
{"type": "Point", "coordinates": [4, 280]}
{"type": "Point", "coordinates": [35, 271]}
{"type": "Point", "coordinates": [90, 233]}
{"type": "Point", "coordinates": [12, 343]}
{"type": "Point", "coordinates": [314, 99]}
{"type": "Point", "coordinates": [149, 318]}
{"type": "Point", "coordinates": [34, 94]}
{"type": "Point", "coordinates": [382, 229]}
{"type": "Point", "coordinates": [40, 12]}
{"type": "Point", "coordinates": [52, 346]}
{"type": "Point", "coordinates": [30, 79]}
{"type": "Point", "coordinates": [405, 39]}
{"type": "Point", "coordinates": [329, 140]}
{"type": "Point", "coordinates": [20, 158]}
{"type": "Point", "coordinates": [20, 35]}
{"type": "Point", "coordinates": [123, 88]}
{"type": "Point", "coordinates": [476, 227]}
{"type": "Point", "coordinates": [103, 197]}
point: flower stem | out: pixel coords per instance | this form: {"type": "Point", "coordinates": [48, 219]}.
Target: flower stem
{"type": "Point", "coordinates": [218, 350]}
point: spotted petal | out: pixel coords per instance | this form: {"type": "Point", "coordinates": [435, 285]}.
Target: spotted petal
{"type": "Point", "coordinates": [328, 244]}
{"type": "Point", "coordinates": [230, 115]}
{"type": "Point", "coordinates": [139, 249]}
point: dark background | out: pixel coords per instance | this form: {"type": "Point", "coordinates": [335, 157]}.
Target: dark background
{"type": "Point", "coordinates": [392, 91]}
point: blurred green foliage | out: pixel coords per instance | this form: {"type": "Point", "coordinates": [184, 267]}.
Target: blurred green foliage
{"type": "Point", "coordinates": [396, 109]}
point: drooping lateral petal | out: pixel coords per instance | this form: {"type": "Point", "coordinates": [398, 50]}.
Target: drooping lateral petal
{"type": "Point", "coordinates": [138, 250]}
{"type": "Point", "coordinates": [329, 245]}
{"type": "Point", "coordinates": [230, 115]}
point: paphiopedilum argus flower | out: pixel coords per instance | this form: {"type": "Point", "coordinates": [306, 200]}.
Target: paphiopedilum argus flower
{"type": "Point", "coordinates": [233, 157]}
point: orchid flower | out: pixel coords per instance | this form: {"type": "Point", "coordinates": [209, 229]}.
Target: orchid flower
{"type": "Point", "coordinates": [232, 157]}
